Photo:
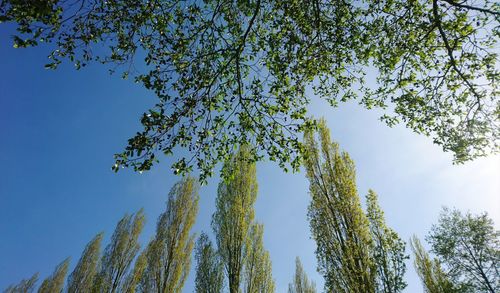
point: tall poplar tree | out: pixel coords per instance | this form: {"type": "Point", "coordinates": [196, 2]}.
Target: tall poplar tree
{"type": "Point", "coordinates": [301, 283]}
{"type": "Point", "coordinates": [169, 253]}
{"type": "Point", "coordinates": [209, 268]}
{"type": "Point", "coordinates": [234, 214]}
{"type": "Point", "coordinates": [338, 223]}
{"type": "Point", "coordinates": [257, 273]}
{"type": "Point", "coordinates": [434, 279]}
{"type": "Point", "coordinates": [388, 251]}
{"type": "Point", "coordinates": [55, 282]}
{"type": "Point", "coordinates": [82, 279]}
{"type": "Point", "coordinates": [356, 251]}
{"type": "Point", "coordinates": [120, 253]}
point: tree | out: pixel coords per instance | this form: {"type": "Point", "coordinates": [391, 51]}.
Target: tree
{"type": "Point", "coordinates": [162, 267]}
{"type": "Point", "coordinates": [24, 286]}
{"type": "Point", "coordinates": [468, 246]}
{"type": "Point", "coordinates": [120, 253]}
{"type": "Point", "coordinates": [389, 249]}
{"type": "Point", "coordinates": [234, 214]}
{"type": "Point", "coordinates": [301, 283]}
{"type": "Point", "coordinates": [257, 273]}
{"type": "Point", "coordinates": [356, 251]}
{"type": "Point", "coordinates": [168, 255]}
{"type": "Point", "coordinates": [232, 72]}
{"type": "Point", "coordinates": [55, 282]}
{"type": "Point", "coordinates": [430, 272]}
{"type": "Point", "coordinates": [134, 277]}
{"type": "Point", "coordinates": [338, 224]}
{"type": "Point", "coordinates": [84, 275]}
{"type": "Point", "coordinates": [209, 268]}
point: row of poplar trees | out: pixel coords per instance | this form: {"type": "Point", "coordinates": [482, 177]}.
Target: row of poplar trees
{"type": "Point", "coordinates": [356, 251]}
{"type": "Point", "coordinates": [164, 264]}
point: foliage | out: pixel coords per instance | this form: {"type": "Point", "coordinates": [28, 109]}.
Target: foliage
{"type": "Point", "coordinates": [168, 255]}
{"type": "Point", "coordinates": [430, 272]}
{"type": "Point", "coordinates": [301, 283]}
{"type": "Point", "coordinates": [356, 251]}
{"type": "Point", "coordinates": [24, 286]}
{"type": "Point", "coordinates": [55, 282]}
{"type": "Point", "coordinates": [134, 277]}
{"type": "Point", "coordinates": [389, 249]}
{"type": "Point", "coordinates": [162, 267]}
{"type": "Point", "coordinates": [239, 239]}
{"type": "Point", "coordinates": [83, 277]}
{"type": "Point", "coordinates": [234, 214]}
{"type": "Point", "coordinates": [257, 273]}
{"type": "Point", "coordinates": [209, 268]}
{"type": "Point", "coordinates": [338, 224]}
{"type": "Point", "coordinates": [468, 246]}
{"type": "Point", "coordinates": [232, 72]}
{"type": "Point", "coordinates": [120, 253]}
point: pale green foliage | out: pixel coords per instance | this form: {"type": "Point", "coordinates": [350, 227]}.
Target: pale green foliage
{"type": "Point", "coordinates": [338, 223]}
{"type": "Point", "coordinates": [83, 276]}
{"type": "Point", "coordinates": [434, 280]}
{"type": "Point", "coordinates": [120, 253]}
{"type": "Point", "coordinates": [265, 282]}
{"type": "Point", "coordinates": [239, 239]}
{"type": "Point", "coordinates": [301, 283]}
{"type": "Point", "coordinates": [55, 282]}
{"type": "Point", "coordinates": [231, 72]}
{"type": "Point", "coordinates": [162, 267]}
{"type": "Point", "coordinates": [169, 253]}
{"type": "Point", "coordinates": [257, 273]}
{"type": "Point", "coordinates": [388, 251]}
{"type": "Point", "coordinates": [356, 251]}
{"type": "Point", "coordinates": [134, 277]}
{"type": "Point", "coordinates": [24, 286]}
{"type": "Point", "coordinates": [234, 214]}
{"type": "Point", "coordinates": [468, 247]}
{"type": "Point", "coordinates": [209, 268]}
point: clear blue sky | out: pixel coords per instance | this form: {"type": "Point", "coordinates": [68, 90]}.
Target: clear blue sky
{"type": "Point", "coordinates": [60, 129]}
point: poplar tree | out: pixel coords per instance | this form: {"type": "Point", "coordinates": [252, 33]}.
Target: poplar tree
{"type": "Point", "coordinates": [234, 214]}
{"type": "Point", "coordinates": [356, 251]}
{"type": "Point", "coordinates": [120, 253]}
{"type": "Point", "coordinates": [209, 268]}
{"type": "Point", "coordinates": [258, 269]}
{"type": "Point", "coordinates": [388, 251]}
{"type": "Point", "coordinates": [134, 277]}
{"type": "Point", "coordinates": [82, 279]}
{"type": "Point", "coordinates": [24, 286]}
{"type": "Point", "coordinates": [338, 224]}
{"type": "Point", "coordinates": [301, 283]}
{"type": "Point", "coordinates": [434, 279]}
{"type": "Point", "coordinates": [55, 282]}
{"type": "Point", "coordinates": [266, 283]}
{"type": "Point", "coordinates": [169, 253]}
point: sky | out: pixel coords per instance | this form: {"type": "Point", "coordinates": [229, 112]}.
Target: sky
{"type": "Point", "coordinates": [59, 131]}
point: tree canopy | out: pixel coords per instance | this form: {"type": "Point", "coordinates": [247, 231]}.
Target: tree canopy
{"type": "Point", "coordinates": [468, 246]}
{"type": "Point", "coordinates": [230, 72]}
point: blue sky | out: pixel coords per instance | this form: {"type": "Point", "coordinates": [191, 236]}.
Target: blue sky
{"type": "Point", "coordinates": [60, 129]}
